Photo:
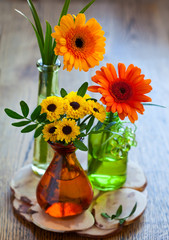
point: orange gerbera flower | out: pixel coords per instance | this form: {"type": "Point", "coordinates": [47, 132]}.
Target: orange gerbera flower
{"type": "Point", "coordinates": [123, 93]}
{"type": "Point", "coordinates": [81, 44]}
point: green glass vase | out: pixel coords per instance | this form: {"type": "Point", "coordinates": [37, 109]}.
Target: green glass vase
{"type": "Point", "coordinates": [48, 86]}
{"type": "Point", "coordinates": [108, 154]}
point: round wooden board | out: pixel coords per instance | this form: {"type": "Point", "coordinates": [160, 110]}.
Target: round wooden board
{"type": "Point", "coordinates": [43, 220]}
{"type": "Point", "coordinates": [24, 185]}
{"type": "Point", "coordinates": [135, 177]}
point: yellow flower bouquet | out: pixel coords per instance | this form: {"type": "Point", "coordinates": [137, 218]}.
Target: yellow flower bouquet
{"type": "Point", "coordinates": [66, 119]}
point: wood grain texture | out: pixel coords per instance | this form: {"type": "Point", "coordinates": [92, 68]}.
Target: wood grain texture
{"type": "Point", "coordinates": [137, 32]}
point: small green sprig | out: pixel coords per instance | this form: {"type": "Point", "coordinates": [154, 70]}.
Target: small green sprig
{"type": "Point", "coordinates": [33, 122]}
{"type": "Point", "coordinates": [118, 213]}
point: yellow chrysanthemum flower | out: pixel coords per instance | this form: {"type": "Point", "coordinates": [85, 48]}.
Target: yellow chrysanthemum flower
{"type": "Point", "coordinates": [97, 110]}
{"type": "Point", "coordinates": [49, 132]}
{"type": "Point", "coordinates": [75, 106]}
{"type": "Point", "coordinates": [67, 130]}
{"type": "Point", "coordinates": [82, 44]}
{"type": "Point", "coordinates": [53, 106]}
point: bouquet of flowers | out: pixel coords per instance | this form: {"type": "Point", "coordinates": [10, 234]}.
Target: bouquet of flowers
{"type": "Point", "coordinates": [82, 45]}
{"type": "Point", "coordinates": [66, 119]}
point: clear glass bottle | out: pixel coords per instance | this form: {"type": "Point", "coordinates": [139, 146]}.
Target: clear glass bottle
{"type": "Point", "coordinates": [48, 86]}
{"type": "Point", "coordinates": [108, 154]}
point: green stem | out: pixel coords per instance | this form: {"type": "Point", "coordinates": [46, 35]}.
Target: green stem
{"type": "Point", "coordinates": [43, 144]}
{"type": "Point", "coordinates": [106, 135]}
{"type": "Point", "coordinates": [95, 163]}
{"type": "Point", "coordinates": [85, 119]}
{"type": "Point", "coordinates": [43, 150]}
{"type": "Point", "coordinates": [49, 84]}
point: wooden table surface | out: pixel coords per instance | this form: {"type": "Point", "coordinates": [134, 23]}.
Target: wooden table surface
{"type": "Point", "coordinates": [137, 32]}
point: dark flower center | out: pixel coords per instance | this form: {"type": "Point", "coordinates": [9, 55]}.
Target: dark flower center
{"type": "Point", "coordinates": [95, 109]}
{"type": "Point", "coordinates": [52, 130]}
{"type": "Point", "coordinates": [122, 91]}
{"type": "Point", "coordinates": [75, 105]}
{"type": "Point", "coordinates": [79, 42]}
{"type": "Point", "coordinates": [51, 107]}
{"type": "Point", "coordinates": [67, 130]}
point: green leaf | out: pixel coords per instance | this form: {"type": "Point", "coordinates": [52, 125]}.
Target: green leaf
{"type": "Point", "coordinates": [90, 124]}
{"type": "Point", "coordinates": [109, 125]}
{"type": "Point", "coordinates": [54, 57]}
{"type": "Point", "coordinates": [82, 90]}
{"type": "Point", "coordinates": [133, 210]}
{"type": "Point", "coordinates": [151, 104]}
{"type": "Point", "coordinates": [47, 121]}
{"type": "Point", "coordinates": [93, 99]}
{"type": "Point", "coordinates": [12, 114]}
{"type": "Point", "coordinates": [36, 113]}
{"type": "Point", "coordinates": [24, 108]}
{"type": "Point", "coordinates": [87, 6]}
{"type": "Point", "coordinates": [64, 10]}
{"type": "Point", "coordinates": [63, 92]}
{"type": "Point", "coordinates": [121, 221]}
{"type": "Point", "coordinates": [98, 126]}
{"type": "Point", "coordinates": [40, 43]}
{"type": "Point", "coordinates": [78, 121]}
{"type": "Point", "coordinates": [29, 128]}
{"type": "Point", "coordinates": [38, 132]}
{"type": "Point", "coordinates": [20, 124]}
{"type": "Point", "coordinates": [89, 116]}
{"type": "Point", "coordinates": [48, 44]}
{"type": "Point", "coordinates": [119, 211]}
{"type": "Point", "coordinates": [82, 135]}
{"type": "Point", "coordinates": [80, 145]}
{"type": "Point", "coordinates": [83, 127]}
{"type": "Point", "coordinates": [105, 215]}
{"type": "Point", "coordinates": [42, 117]}
{"type": "Point", "coordinates": [36, 20]}
{"type": "Point", "coordinates": [113, 216]}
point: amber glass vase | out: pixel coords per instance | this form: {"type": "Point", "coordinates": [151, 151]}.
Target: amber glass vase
{"type": "Point", "coordinates": [64, 190]}
{"type": "Point", "coordinates": [48, 86]}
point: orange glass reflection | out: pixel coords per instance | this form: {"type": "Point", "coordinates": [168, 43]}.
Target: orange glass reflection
{"type": "Point", "coordinates": [64, 190]}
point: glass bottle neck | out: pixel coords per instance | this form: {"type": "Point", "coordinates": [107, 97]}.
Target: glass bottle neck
{"type": "Point", "coordinates": [62, 149]}
{"type": "Point", "coordinates": [48, 80]}
{"type": "Point", "coordinates": [48, 68]}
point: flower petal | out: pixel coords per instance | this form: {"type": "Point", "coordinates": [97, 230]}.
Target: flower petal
{"type": "Point", "coordinates": [80, 19]}
{"type": "Point", "coordinates": [93, 88]}
{"type": "Point", "coordinates": [121, 70]}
